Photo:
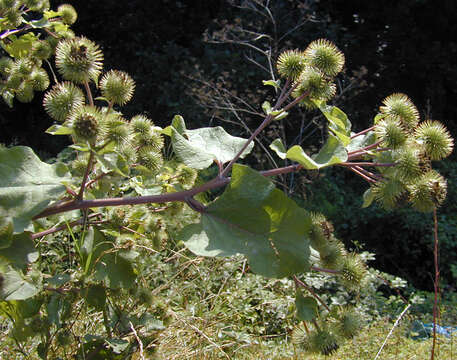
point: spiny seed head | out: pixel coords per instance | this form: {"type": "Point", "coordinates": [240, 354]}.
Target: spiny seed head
{"type": "Point", "coordinates": [42, 50]}
{"type": "Point", "coordinates": [6, 64]}
{"type": "Point", "coordinates": [13, 17]}
{"type": "Point", "coordinates": [151, 160]}
{"type": "Point", "coordinates": [313, 82]}
{"type": "Point", "coordinates": [387, 192]}
{"type": "Point", "coordinates": [152, 139]}
{"type": "Point", "coordinates": [67, 13]}
{"type": "Point", "coordinates": [187, 175]}
{"type": "Point", "coordinates": [14, 80]}
{"type": "Point", "coordinates": [407, 163]}
{"type": "Point", "coordinates": [23, 66]}
{"type": "Point", "coordinates": [62, 100]}
{"type": "Point", "coordinates": [435, 138]}
{"type": "Point", "coordinates": [34, 5]}
{"type": "Point", "coordinates": [400, 106]}
{"type": "Point", "coordinates": [39, 79]}
{"type": "Point", "coordinates": [290, 64]}
{"type": "Point", "coordinates": [300, 337]}
{"type": "Point", "coordinates": [349, 322]}
{"type": "Point", "coordinates": [86, 123]}
{"type": "Point", "coordinates": [128, 152]}
{"type": "Point", "coordinates": [391, 133]}
{"type": "Point", "coordinates": [325, 56]}
{"type": "Point", "coordinates": [78, 166]}
{"type": "Point", "coordinates": [119, 134]}
{"type": "Point", "coordinates": [79, 59]}
{"type": "Point", "coordinates": [428, 192]}
{"type": "Point", "coordinates": [322, 341]}
{"type": "Point", "coordinates": [24, 92]}
{"type": "Point", "coordinates": [331, 254]}
{"type": "Point", "coordinates": [141, 124]}
{"type": "Point", "coordinates": [316, 234]}
{"type": "Point", "coordinates": [117, 87]}
{"type": "Point", "coordinates": [352, 271]}
{"type": "Point", "coordinates": [6, 4]}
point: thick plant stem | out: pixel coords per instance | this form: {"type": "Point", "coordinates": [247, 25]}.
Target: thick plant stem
{"type": "Point", "coordinates": [436, 282]}
{"type": "Point", "coordinates": [218, 182]}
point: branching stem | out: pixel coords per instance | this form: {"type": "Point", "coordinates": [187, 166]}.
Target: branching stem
{"type": "Point", "coordinates": [303, 285]}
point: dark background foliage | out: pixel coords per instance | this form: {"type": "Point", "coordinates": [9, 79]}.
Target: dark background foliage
{"type": "Point", "coordinates": [398, 46]}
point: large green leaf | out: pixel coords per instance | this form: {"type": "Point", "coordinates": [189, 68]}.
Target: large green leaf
{"type": "Point", "coordinates": [16, 287]}
{"type": "Point", "coordinates": [339, 123]}
{"type": "Point", "coordinates": [333, 152]}
{"type": "Point", "coordinates": [307, 307]}
{"type": "Point", "coordinates": [20, 46]}
{"type": "Point", "coordinates": [254, 218]}
{"type": "Point", "coordinates": [27, 185]}
{"type": "Point", "coordinates": [199, 148]}
{"type": "Point", "coordinates": [21, 251]}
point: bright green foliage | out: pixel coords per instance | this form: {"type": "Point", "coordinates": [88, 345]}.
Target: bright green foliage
{"type": "Point", "coordinates": [83, 243]}
{"type": "Point", "coordinates": [27, 185]}
{"type": "Point", "coordinates": [307, 307]}
{"type": "Point", "coordinates": [21, 38]}
{"type": "Point", "coordinates": [333, 152]}
{"type": "Point", "coordinates": [199, 148]}
{"type": "Point", "coordinates": [265, 225]}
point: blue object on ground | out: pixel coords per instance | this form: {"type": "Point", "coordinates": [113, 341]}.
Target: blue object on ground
{"type": "Point", "coordinates": [422, 330]}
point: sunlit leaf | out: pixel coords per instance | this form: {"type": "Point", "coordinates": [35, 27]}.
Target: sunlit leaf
{"type": "Point", "coordinates": [278, 147]}
{"type": "Point", "coordinates": [199, 148]}
{"type": "Point", "coordinates": [15, 287]}
{"type": "Point", "coordinates": [27, 185]}
{"type": "Point", "coordinates": [333, 152]}
{"type": "Point", "coordinates": [254, 218]}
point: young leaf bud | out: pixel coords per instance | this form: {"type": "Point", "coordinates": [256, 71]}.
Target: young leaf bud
{"type": "Point", "coordinates": [399, 106]}
{"type": "Point", "coordinates": [428, 192]}
{"type": "Point", "coordinates": [325, 56]}
{"type": "Point", "coordinates": [62, 100]}
{"type": "Point", "coordinates": [435, 138]}
{"type": "Point", "coordinates": [290, 64]}
{"type": "Point", "coordinates": [67, 13]}
{"type": "Point", "coordinates": [79, 59]}
{"type": "Point", "coordinates": [117, 87]}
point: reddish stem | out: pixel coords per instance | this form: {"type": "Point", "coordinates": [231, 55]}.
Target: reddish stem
{"type": "Point", "coordinates": [303, 285]}
{"type": "Point", "coordinates": [362, 132]}
{"type": "Point", "coordinates": [436, 282]}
